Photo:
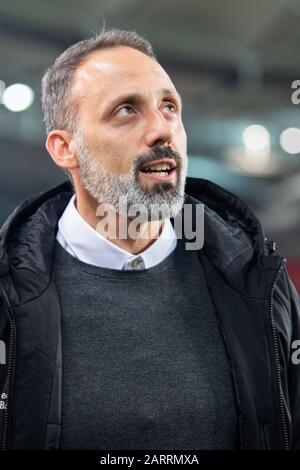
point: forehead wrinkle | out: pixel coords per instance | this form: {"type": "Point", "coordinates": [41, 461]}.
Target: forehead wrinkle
{"type": "Point", "coordinates": [102, 77]}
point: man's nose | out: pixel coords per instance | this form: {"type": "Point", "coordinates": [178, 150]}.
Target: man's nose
{"type": "Point", "coordinates": [159, 130]}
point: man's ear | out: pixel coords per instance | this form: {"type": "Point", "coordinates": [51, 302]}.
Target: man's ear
{"type": "Point", "coordinates": [61, 147]}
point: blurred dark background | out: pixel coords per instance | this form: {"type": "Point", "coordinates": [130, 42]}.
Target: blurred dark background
{"type": "Point", "coordinates": [234, 64]}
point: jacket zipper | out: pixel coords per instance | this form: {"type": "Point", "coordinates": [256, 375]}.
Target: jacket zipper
{"type": "Point", "coordinates": [10, 364]}
{"type": "Point", "coordinates": [277, 360]}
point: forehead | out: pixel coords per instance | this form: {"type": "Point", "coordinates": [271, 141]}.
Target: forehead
{"type": "Point", "coordinates": [113, 70]}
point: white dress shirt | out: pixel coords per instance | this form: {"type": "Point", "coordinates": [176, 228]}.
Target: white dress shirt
{"type": "Point", "coordinates": [86, 244]}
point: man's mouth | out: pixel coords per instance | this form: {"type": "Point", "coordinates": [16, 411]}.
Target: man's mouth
{"type": "Point", "coordinates": [163, 169]}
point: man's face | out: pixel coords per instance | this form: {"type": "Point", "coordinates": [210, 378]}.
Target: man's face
{"type": "Point", "coordinates": [129, 115]}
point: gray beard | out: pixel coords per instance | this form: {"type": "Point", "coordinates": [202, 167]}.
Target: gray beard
{"type": "Point", "coordinates": [107, 188]}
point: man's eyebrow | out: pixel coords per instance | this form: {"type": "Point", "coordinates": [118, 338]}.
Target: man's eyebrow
{"type": "Point", "coordinates": [137, 98]}
{"type": "Point", "coordinates": [167, 91]}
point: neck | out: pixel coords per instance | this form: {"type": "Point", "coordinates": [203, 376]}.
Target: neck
{"type": "Point", "coordinates": [122, 231]}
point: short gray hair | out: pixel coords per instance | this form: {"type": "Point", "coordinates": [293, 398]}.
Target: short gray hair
{"type": "Point", "coordinates": [58, 110]}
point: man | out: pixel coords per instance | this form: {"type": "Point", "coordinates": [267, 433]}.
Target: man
{"type": "Point", "coordinates": [135, 342]}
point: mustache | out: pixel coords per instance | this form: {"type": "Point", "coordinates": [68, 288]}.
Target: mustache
{"type": "Point", "coordinates": [157, 153]}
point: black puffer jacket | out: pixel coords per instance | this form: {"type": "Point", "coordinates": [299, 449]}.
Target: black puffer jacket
{"type": "Point", "coordinates": [257, 306]}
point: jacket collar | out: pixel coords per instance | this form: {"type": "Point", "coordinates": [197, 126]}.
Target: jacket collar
{"type": "Point", "coordinates": [232, 231]}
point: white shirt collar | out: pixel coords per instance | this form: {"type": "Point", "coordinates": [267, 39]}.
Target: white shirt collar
{"type": "Point", "coordinates": [85, 243]}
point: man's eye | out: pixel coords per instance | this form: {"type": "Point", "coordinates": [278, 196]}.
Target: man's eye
{"type": "Point", "coordinates": [171, 105]}
{"type": "Point", "coordinates": [128, 107]}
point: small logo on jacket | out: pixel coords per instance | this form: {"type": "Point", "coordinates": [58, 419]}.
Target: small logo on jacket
{"type": "Point", "coordinates": [3, 401]}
